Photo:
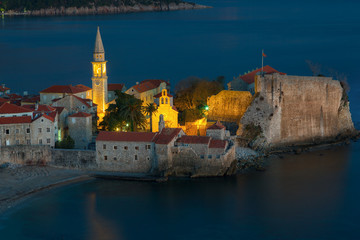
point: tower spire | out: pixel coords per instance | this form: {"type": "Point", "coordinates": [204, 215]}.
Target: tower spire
{"type": "Point", "coordinates": [99, 47]}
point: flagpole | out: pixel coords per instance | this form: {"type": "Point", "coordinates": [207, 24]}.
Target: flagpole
{"type": "Point", "coordinates": [262, 63]}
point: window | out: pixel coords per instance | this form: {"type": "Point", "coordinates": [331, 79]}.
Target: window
{"type": "Point", "coordinates": [115, 147]}
{"type": "Point", "coordinates": [114, 158]}
{"type": "Point", "coordinates": [126, 148]}
{"type": "Point", "coordinates": [40, 141]}
{"type": "Point", "coordinates": [42, 120]}
{"type": "Point", "coordinates": [17, 141]}
{"type": "Point", "coordinates": [7, 131]}
{"type": "Point", "coordinates": [148, 158]}
{"type": "Point", "coordinates": [28, 130]}
{"type": "Point", "coordinates": [136, 157]}
{"type": "Point", "coordinates": [48, 140]}
{"type": "Point", "coordinates": [202, 156]}
{"type": "Point", "coordinates": [105, 157]}
{"type": "Point", "coordinates": [47, 129]}
{"type": "Point", "coordinates": [28, 142]}
{"type": "Point", "coordinates": [17, 130]}
{"type": "Point", "coordinates": [104, 146]}
{"type": "Point", "coordinates": [136, 147]}
{"type": "Point", "coordinates": [39, 130]}
{"type": "Point", "coordinates": [209, 156]}
{"type": "Point", "coordinates": [148, 146]}
{"type": "Point", "coordinates": [218, 156]}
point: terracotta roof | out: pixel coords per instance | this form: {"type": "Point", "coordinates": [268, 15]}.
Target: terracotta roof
{"type": "Point", "coordinates": [194, 140]}
{"type": "Point", "coordinates": [63, 89]}
{"type": "Point", "coordinates": [115, 86]}
{"type": "Point", "coordinates": [4, 99]}
{"type": "Point", "coordinates": [126, 136]}
{"type": "Point", "coordinates": [149, 84]}
{"type": "Point", "coordinates": [37, 116]}
{"type": "Point", "coordinates": [14, 96]}
{"type": "Point", "coordinates": [217, 125]}
{"type": "Point", "coordinates": [41, 108]}
{"type": "Point", "coordinates": [3, 89]}
{"type": "Point", "coordinates": [86, 88]}
{"type": "Point", "coordinates": [249, 78]}
{"type": "Point", "coordinates": [80, 114]}
{"type": "Point", "coordinates": [59, 109]}
{"type": "Point", "coordinates": [15, 120]}
{"type": "Point", "coordinates": [167, 135]}
{"type": "Point", "coordinates": [160, 94]}
{"type": "Point", "coordinates": [33, 99]}
{"type": "Point", "coordinates": [6, 108]}
{"type": "Point", "coordinates": [215, 143]}
{"type": "Point", "coordinates": [84, 101]}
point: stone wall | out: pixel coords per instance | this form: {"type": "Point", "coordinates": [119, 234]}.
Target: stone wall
{"type": "Point", "coordinates": [44, 155]}
{"type": "Point", "coordinates": [68, 158]}
{"type": "Point", "coordinates": [228, 106]}
{"type": "Point", "coordinates": [25, 154]}
{"type": "Point", "coordinates": [297, 110]}
{"type": "Point", "coordinates": [188, 163]}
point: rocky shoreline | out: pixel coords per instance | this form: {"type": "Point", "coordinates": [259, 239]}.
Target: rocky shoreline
{"type": "Point", "coordinates": [72, 11]}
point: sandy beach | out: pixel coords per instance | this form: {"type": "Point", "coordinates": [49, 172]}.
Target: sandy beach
{"type": "Point", "coordinates": [17, 183]}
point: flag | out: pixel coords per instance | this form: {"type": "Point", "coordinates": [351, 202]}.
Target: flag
{"type": "Point", "coordinates": [264, 55]}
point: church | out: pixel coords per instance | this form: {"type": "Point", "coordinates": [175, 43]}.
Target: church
{"type": "Point", "coordinates": [151, 91]}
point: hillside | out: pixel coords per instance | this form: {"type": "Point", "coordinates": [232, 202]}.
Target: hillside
{"type": "Point", "coordinates": [78, 7]}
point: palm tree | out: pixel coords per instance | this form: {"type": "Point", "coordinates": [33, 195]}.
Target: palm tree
{"type": "Point", "coordinates": [149, 110]}
{"type": "Point", "coordinates": [126, 110]}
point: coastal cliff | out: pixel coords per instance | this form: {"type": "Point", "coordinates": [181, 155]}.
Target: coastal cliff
{"type": "Point", "coordinates": [107, 9]}
{"type": "Point", "coordinates": [294, 110]}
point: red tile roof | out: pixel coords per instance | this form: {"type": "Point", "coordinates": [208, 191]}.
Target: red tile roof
{"type": "Point", "coordinates": [249, 78]}
{"type": "Point", "coordinates": [14, 96]}
{"type": "Point", "coordinates": [15, 120]}
{"type": "Point", "coordinates": [215, 143]}
{"type": "Point", "coordinates": [33, 99]}
{"type": "Point", "coordinates": [80, 114]}
{"type": "Point", "coordinates": [37, 116]}
{"type": "Point", "coordinates": [4, 100]}
{"type": "Point", "coordinates": [218, 125]}
{"type": "Point", "coordinates": [194, 139]}
{"type": "Point", "coordinates": [167, 135]}
{"type": "Point", "coordinates": [3, 89]}
{"type": "Point", "coordinates": [63, 89]}
{"type": "Point", "coordinates": [85, 88]}
{"type": "Point", "coordinates": [149, 84]}
{"type": "Point", "coordinates": [160, 94]}
{"type": "Point", "coordinates": [7, 108]}
{"type": "Point", "coordinates": [59, 109]}
{"type": "Point", "coordinates": [126, 136]}
{"type": "Point", "coordinates": [115, 86]}
{"type": "Point", "coordinates": [40, 108]}
{"type": "Point", "coordinates": [84, 101]}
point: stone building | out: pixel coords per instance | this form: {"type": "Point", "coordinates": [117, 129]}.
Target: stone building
{"type": "Point", "coordinates": [167, 110]}
{"type": "Point", "coordinates": [125, 151]}
{"type": "Point", "coordinates": [15, 130]}
{"type": "Point", "coordinates": [217, 131]}
{"type": "Point", "coordinates": [74, 104]}
{"type": "Point", "coordinates": [11, 110]}
{"type": "Point", "coordinates": [80, 129]}
{"type": "Point", "coordinates": [147, 89]}
{"type": "Point", "coordinates": [43, 130]}
{"type": "Point", "coordinates": [60, 91]}
{"type": "Point", "coordinates": [246, 82]}
{"type": "Point", "coordinates": [99, 77]}
{"type": "Point", "coordinates": [4, 90]}
{"type": "Point", "coordinates": [298, 109]}
{"type": "Point", "coordinates": [112, 87]}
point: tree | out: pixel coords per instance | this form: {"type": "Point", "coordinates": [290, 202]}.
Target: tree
{"type": "Point", "coordinates": [191, 96]}
{"type": "Point", "coordinates": [66, 143]}
{"type": "Point", "coordinates": [150, 109]}
{"type": "Point", "coordinates": [127, 112]}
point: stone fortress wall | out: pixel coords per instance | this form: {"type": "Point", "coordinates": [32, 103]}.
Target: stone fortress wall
{"type": "Point", "coordinates": [295, 109]}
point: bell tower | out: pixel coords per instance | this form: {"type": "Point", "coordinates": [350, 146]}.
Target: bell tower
{"type": "Point", "coordinates": [99, 77]}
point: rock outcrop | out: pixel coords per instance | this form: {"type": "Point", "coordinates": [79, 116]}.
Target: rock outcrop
{"type": "Point", "coordinates": [295, 110]}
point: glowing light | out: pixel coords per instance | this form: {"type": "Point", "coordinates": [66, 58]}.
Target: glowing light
{"type": "Point", "coordinates": [206, 108]}
{"type": "Point", "coordinates": [127, 124]}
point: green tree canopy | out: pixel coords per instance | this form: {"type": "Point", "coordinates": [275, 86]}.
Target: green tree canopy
{"type": "Point", "coordinates": [125, 114]}
{"type": "Point", "coordinates": [191, 96]}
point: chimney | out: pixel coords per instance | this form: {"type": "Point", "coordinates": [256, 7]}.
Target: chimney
{"type": "Point", "coordinates": [137, 83]}
{"type": "Point", "coordinates": [3, 85]}
{"type": "Point", "coordinates": [36, 106]}
{"type": "Point", "coordinates": [25, 93]}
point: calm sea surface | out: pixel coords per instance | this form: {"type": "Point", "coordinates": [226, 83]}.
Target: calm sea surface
{"type": "Point", "coordinates": [311, 196]}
